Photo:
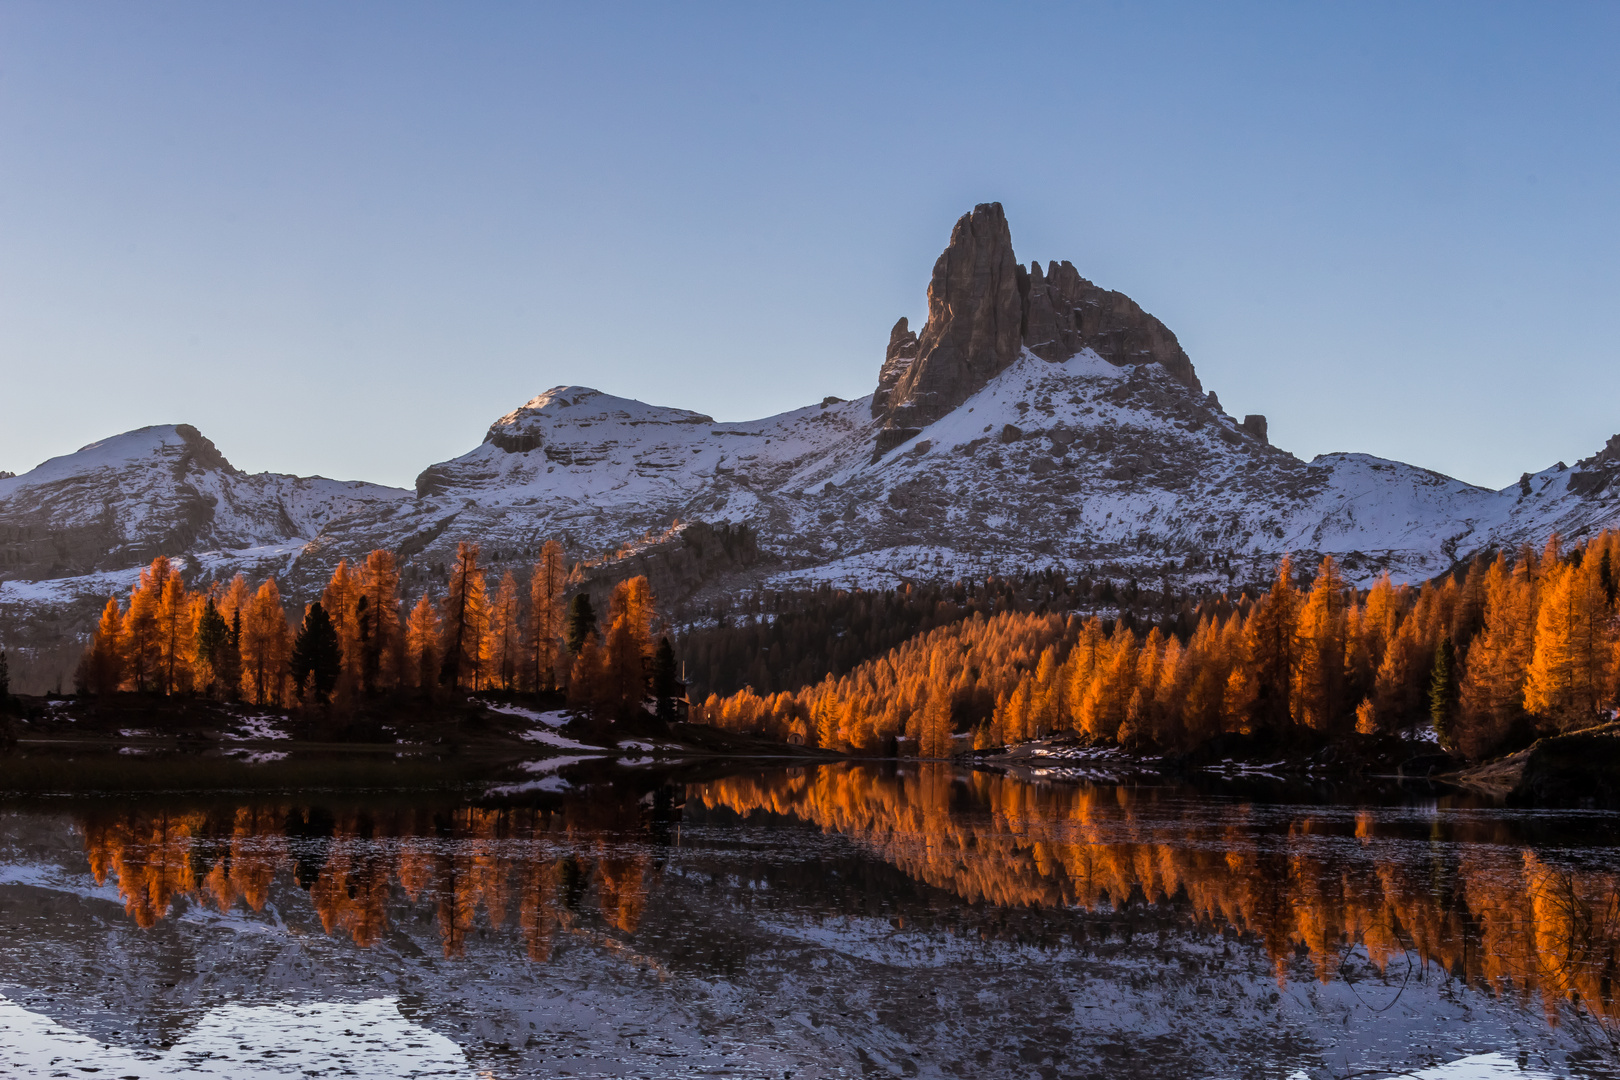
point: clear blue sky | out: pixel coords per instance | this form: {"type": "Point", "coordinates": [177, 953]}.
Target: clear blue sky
{"type": "Point", "coordinates": [342, 238]}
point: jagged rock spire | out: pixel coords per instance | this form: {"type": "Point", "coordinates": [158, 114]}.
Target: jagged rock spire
{"type": "Point", "coordinates": [973, 330]}
{"type": "Point", "coordinates": [983, 308]}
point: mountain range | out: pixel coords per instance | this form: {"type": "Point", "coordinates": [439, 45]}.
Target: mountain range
{"type": "Point", "coordinates": [1035, 421]}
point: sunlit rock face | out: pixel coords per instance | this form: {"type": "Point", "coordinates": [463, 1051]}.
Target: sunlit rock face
{"type": "Point", "coordinates": [1035, 421]}
{"type": "Point", "coordinates": [983, 307]}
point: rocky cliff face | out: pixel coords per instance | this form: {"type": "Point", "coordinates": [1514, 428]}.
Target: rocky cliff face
{"type": "Point", "coordinates": [973, 330]}
{"type": "Point", "coordinates": [1064, 313]}
{"type": "Point", "coordinates": [984, 307]}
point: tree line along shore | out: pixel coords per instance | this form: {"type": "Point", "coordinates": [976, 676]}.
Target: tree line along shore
{"type": "Point", "coordinates": [231, 641]}
{"type": "Point", "coordinates": [1506, 649]}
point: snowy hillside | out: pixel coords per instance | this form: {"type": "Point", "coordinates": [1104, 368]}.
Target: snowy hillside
{"type": "Point", "coordinates": [86, 521]}
{"type": "Point", "coordinates": [972, 458]}
{"type": "Point", "coordinates": [1083, 465]}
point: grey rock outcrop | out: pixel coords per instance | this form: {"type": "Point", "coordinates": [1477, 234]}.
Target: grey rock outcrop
{"type": "Point", "coordinates": [1598, 474]}
{"type": "Point", "coordinates": [973, 332]}
{"type": "Point", "coordinates": [984, 308]}
{"type": "Point", "coordinates": [901, 354]}
{"type": "Point", "coordinates": [1255, 425]}
{"type": "Point", "coordinates": [1064, 313]}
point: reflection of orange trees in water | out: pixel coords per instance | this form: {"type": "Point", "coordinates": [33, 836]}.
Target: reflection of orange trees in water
{"type": "Point", "coordinates": [534, 868]}
{"type": "Point", "coordinates": [1512, 923]}
{"type": "Point", "coordinates": [151, 858]}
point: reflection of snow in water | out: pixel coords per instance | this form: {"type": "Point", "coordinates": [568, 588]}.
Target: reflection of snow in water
{"type": "Point", "coordinates": [259, 757]}
{"type": "Point", "coordinates": [366, 1039]}
{"type": "Point", "coordinates": [551, 783]}
{"type": "Point", "coordinates": [561, 742]}
{"type": "Point", "coordinates": [1473, 1067]}
{"type": "Point", "coordinates": [259, 727]}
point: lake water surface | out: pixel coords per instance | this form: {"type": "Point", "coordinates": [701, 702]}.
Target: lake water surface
{"type": "Point", "coordinates": [842, 920]}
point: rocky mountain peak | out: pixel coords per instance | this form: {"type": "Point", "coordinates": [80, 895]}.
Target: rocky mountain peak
{"type": "Point", "coordinates": [525, 428]}
{"type": "Point", "coordinates": [984, 308]}
{"type": "Point", "coordinates": [972, 334]}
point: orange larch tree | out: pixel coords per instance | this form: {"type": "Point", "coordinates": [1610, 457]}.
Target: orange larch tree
{"type": "Point", "coordinates": [378, 634]}
{"type": "Point", "coordinates": [546, 597]}
{"type": "Point", "coordinates": [503, 645]}
{"type": "Point", "coordinates": [466, 613]}
{"type": "Point", "coordinates": [422, 661]}
{"type": "Point", "coordinates": [266, 646]}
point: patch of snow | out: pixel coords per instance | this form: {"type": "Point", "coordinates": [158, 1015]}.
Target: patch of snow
{"type": "Point", "coordinates": [547, 737]}
{"type": "Point", "coordinates": [242, 1042]}
{"type": "Point", "coordinates": [554, 718]}
{"type": "Point", "coordinates": [259, 727]}
{"type": "Point", "coordinates": [1423, 733]}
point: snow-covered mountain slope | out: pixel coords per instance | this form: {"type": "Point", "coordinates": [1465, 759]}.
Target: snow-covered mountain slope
{"type": "Point", "coordinates": [162, 490]}
{"type": "Point", "coordinates": [1083, 465]}
{"type": "Point", "coordinates": [1084, 442]}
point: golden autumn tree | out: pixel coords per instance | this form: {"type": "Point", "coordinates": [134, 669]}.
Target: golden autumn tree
{"type": "Point", "coordinates": [234, 599]}
{"type": "Point", "coordinates": [1571, 668]}
{"type": "Point", "coordinates": [177, 634]}
{"type": "Point", "coordinates": [104, 660]}
{"type": "Point", "coordinates": [1169, 691]}
{"type": "Point", "coordinates": [623, 673]}
{"type": "Point", "coordinates": [466, 613]}
{"type": "Point", "coordinates": [936, 725]}
{"type": "Point", "coordinates": [378, 634]}
{"type": "Point", "coordinates": [340, 600]}
{"type": "Point", "coordinates": [1272, 632]}
{"type": "Point", "coordinates": [546, 598]}
{"type": "Point", "coordinates": [503, 644]}
{"type": "Point", "coordinates": [1109, 687]}
{"type": "Point", "coordinates": [143, 638]}
{"type": "Point", "coordinates": [1491, 699]}
{"type": "Point", "coordinates": [1318, 696]}
{"type": "Point", "coordinates": [1204, 688]}
{"type": "Point", "coordinates": [266, 646]}
{"type": "Point", "coordinates": [422, 660]}
{"type": "Point", "coordinates": [1084, 661]}
{"type": "Point", "coordinates": [628, 645]}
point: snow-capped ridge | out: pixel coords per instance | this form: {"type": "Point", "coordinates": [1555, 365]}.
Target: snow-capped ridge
{"type": "Point", "coordinates": [1089, 446]}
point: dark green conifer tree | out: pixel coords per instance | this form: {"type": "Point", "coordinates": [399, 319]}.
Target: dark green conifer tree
{"type": "Point", "coordinates": [229, 672]}
{"type": "Point", "coordinates": [1606, 578]}
{"type": "Point", "coordinates": [213, 638]}
{"type": "Point", "coordinates": [664, 683]}
{"type": "Point", "coordinates": [580, 622]}
{"type": "Point", "coordinates": [317, 655]}
{"type": "Point", "coordinates": [1443, 691]}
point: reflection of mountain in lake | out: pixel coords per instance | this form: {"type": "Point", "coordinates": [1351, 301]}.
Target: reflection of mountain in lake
{"type": "Point", "coordinates": [1481, 903]}
{"type": "Point", "coordinates": [917, 923]}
